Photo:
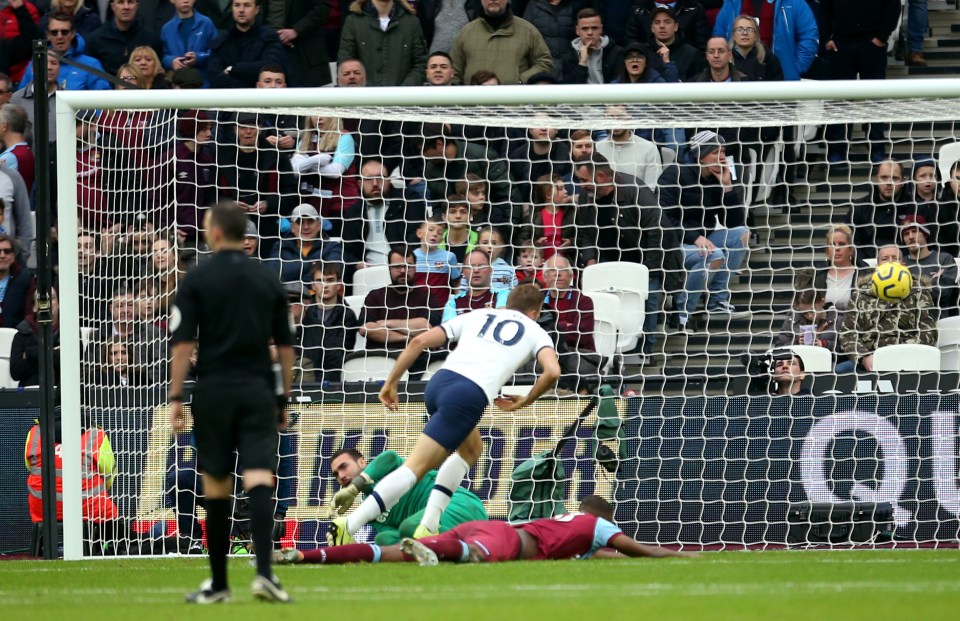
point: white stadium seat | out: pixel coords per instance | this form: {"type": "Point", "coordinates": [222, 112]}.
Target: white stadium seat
{"type": "Point", "coordinates": [815, 359]}
{"type": "Point", "coordinates": [6, 341]}
{"type": "Point", "coordinates": [606, 322]}
{"type": "Point", "coordinates": [355, 303]}
{"type": "Point", "coordinates": [906, 357]}
{"type": "Point", "coordinates": [370, 278]}
{"type": "Point", "coordinates": [368, 367]}
{"type": "Point", "coordinates": [631, 283]}
{"type": "Point", "coordinates": [948, 342]}
{"type": "Point", "coordinates": [5, 380]}
{"type": "Point", "coordinates": [948, 154]}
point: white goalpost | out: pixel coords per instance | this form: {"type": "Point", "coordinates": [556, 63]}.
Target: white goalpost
{"type": "Point", "coordinates": [684, 476]}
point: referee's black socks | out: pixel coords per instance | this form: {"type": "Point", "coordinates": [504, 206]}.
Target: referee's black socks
{"type": "Point", "coordinates": [218, 539]}
{"type": "Point", "coordinates": [261, 525]}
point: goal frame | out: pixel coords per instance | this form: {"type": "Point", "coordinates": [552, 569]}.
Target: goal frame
{"type": "Point", "coordinates": [69, 102]}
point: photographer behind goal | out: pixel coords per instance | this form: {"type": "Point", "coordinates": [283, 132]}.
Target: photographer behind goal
{"type": "Point", "coordinates": [776, 372]}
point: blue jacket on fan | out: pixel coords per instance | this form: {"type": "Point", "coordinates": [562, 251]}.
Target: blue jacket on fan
{"type": "Point", "coordinates": [795, 33]}
{"type": "Point", "coordinates": [71, 78]}
{"type": "Point", "coordinates": [202, 32]}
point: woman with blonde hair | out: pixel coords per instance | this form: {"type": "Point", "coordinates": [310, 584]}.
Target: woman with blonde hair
{"type": "Point", "coordinates": [146, 60]}
{"type": "Point", "coordinates": [749, 54]}
{"type": "Point", "coordinates": [85, 20]}
{"type": "Point", "coordinates": [838, 278]}
{"type": "Point", "coordinates": [129, 74]}
{"type": "Point", "coordinates": [327, 161]}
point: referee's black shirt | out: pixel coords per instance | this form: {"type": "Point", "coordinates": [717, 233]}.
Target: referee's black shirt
{"type": "Point", "coordinates": [232, 305]}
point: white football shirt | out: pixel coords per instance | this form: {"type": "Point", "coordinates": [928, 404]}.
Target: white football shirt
{"type": "Point", "coordinates": [493, 344]}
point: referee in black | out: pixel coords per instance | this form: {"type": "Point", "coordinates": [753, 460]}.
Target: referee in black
{"type": "Point", "coordinates": [233, 308]}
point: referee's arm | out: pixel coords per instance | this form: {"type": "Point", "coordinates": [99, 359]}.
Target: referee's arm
{"type": "Point", "coordinates": [179, 367]}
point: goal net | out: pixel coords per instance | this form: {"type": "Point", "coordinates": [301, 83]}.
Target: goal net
{"type": "Point", "coordinates": [706, 255]}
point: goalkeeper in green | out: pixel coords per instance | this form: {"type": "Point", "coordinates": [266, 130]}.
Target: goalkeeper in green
{"type": "Point", "coordinates": [356, 476]}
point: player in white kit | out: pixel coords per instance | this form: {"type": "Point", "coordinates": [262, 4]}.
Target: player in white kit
{"type": "Point", "coordinates": [492, 345]}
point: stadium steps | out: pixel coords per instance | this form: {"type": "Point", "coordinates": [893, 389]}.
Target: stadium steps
{"type": "Point", "coordinates": [790, 239]}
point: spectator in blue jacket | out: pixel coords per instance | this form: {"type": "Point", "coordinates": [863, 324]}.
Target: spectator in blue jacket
{"type": "Point", "coordinates": [186, 38]}
{"type": "Point", "coordinates": [308, 245]}
{"type": "Point", "coordinates": [64, 40]}
{"type": "Point", "coordinates": [795, 36]}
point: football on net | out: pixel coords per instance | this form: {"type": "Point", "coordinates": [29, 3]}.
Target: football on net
{"type": "Point", "coordinates": [892, 282]}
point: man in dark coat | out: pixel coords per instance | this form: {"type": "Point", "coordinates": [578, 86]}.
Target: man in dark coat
{"type": "Point", "coordinates": [240, 53]}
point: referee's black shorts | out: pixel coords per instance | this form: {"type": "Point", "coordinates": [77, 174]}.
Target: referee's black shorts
{"type": "Point", "coordinates": [235, 414]}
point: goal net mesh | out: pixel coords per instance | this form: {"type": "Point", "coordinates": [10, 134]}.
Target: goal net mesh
{"type": "Point", "coordinates": [678, 243]}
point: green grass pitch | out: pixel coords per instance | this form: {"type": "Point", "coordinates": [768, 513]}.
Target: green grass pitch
{"type": "Point", "coordinates": [774, 585]}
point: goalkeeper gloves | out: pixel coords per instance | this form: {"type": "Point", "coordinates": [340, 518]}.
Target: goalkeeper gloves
{"type": "Point", "coordinates": [343, 499]}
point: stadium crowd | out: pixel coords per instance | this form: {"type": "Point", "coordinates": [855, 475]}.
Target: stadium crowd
{"type": "Point", "coordinates": [456, 214]}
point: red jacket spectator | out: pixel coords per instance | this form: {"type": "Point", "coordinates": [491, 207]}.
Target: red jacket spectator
{"type": "Point", "coordinates": [10, 29]}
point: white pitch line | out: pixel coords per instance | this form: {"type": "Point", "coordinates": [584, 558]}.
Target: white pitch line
{"type": "Point", "coordinates": [553, 591]}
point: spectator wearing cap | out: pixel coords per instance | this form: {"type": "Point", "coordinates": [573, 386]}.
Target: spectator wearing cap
{"type": "Point", "coordinates": [251, 240]}
{"type": "Point", "coordinates": [112, 42]}
{"type": "Point", "coordinates": [195, 169]}
{"type": "Point", "coordinates": [238, 54]}
{"type": "Point", "coordinates": [186, 78]}
{"type": "Point", "coordinates": [293, 257]}
{"type": "Point", "coordinates": [671, 47]}
{"type": "Point", "coordinates": [695, 198]}
{"type": "Point", "coordinates": [501, 42]}
{"type": "Point", "coordinates": [787, 28]}
{"type": "Point", "coordinates": [591, 58]}
{"type": "Point", "coordinates": [925, 188]}
{"type": "Point", "coordinates": [637, 67]}
{"type": "Point", "coordinates": [874, 216]}
{"type": "Point", "coordinates": [691, 21]}
{"type": "Point", "coordinates": [939, 267]}
{"type": "Point", "coordinates": [257, 177]}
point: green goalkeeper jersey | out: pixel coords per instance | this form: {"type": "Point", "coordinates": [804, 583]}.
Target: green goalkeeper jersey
{"type": "Point", "coordinates": [411, 502]}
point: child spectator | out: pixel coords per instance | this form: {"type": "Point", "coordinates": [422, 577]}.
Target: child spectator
{"type": "Point", "coordinates": [329, 326]}
{"type": "Point", "coordinates": [186, 38]}
{"type": "Point", "coordinates": [474, 188]}
{"type": "Point", "coordinates": [436, 269]}
{"type": "Point", "coordinates": [458, 238]}
{"type": "Point", "coordinates": [812, 321]}
{"type": "Point", "coordinates": [530, 262]}
{"type": "Point", "coordinates": [490, 242]}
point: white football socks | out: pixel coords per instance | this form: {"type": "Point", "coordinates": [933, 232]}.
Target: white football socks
{"type": "Point", "coordinates": [386, 494]}
{"type": "Point", "coordinates": [449, 477]}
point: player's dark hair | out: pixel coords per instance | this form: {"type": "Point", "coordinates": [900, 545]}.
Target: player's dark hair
{"type": "Point", "coordinates": [230, 218]}
{"type": "Point", "coordinates": [404, 251]}
{"type": "Point", "coordinates": [440, 53]}
{"type": "Point", "coordinates": [352, 452]}
{"type": "Point", "coordinates": [483, 75]}
{"type": "Point", "coordinates": [272, 68]}
{"type": "Point", "coordinates": [587, 13]}
{"type": "Point", "coordinates": [595, 505]}
{"type": "Point", "coordinates": [320, 268]}
{"type": "Point", "coordinates": [525, 298]}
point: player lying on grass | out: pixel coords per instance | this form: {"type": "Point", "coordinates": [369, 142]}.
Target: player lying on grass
{"type": "Point", "coordinates": [588, 534]}
{"type": "Point", "coordinates": [357, 476]}
{"type": "Point", "coordinates": [491, 345]}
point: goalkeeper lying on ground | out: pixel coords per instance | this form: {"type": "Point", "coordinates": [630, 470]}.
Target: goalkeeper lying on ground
{"type": "Point", "coordinates": [355, 476]}
{"type": "Point", "coordinates": [590, 533]}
